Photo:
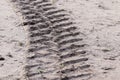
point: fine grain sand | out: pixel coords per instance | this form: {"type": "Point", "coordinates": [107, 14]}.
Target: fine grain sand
{"type": "Point", "coordinates": [98, 20]}
{"type": "Point", "coordinates": [12, 43]}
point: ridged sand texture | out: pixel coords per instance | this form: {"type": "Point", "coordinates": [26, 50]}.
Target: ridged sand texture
{"type": "Point", "coordinates": [56, 47]}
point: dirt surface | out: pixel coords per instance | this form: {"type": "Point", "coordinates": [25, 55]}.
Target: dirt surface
{"type": "Point", "coordinates": [12, 43]}
{"type": "Point", "coordinates": [98, 21]}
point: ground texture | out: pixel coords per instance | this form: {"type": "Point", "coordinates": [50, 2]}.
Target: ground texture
{"type": "Point", "coordinates": [98, 23]}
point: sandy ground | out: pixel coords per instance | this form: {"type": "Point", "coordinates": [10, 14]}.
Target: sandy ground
{"type": "Point", "coordinates": [12, 43]}
{"type": "Point", "coordinates": [98, 20]}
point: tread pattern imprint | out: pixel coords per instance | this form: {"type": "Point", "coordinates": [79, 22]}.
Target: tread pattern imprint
{"type": "Point", "coordinates": [56, 47]}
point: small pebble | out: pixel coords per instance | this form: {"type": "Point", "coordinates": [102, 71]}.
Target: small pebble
{"type": "Point", "coordinates": [21, 44]}
{"type": "Point", "coordinates": [9, 55]}
{"type": "Point", "coordinates": [1, 58]}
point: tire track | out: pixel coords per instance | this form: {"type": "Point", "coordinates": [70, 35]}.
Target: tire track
{"type": "Point", "coordinates": [56, 50]}
{"type": "Point", "coordinates": [43, 64]}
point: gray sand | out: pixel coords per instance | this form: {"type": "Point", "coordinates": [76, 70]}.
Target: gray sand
{"type": "Point", "coordinates": [98, 20]}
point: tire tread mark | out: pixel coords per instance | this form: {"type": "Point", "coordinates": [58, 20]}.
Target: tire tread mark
{"type": "Point", "coordinates": [73, 54]}
{"type": "Point", "coordinates": [69, 41]}
{"type": "Point", "coordinates": [75, 61]}
{"type": "Point", "coordinates": [51, 18]}
{"type": "Point", "coordinates": [73, 69]}
{"type": "Point", "coordinates": [66, 36]}
{"type": "Point", "coordinates": [72, 46]}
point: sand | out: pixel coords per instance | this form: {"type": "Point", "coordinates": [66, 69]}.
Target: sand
{"type": "Point", "coordinates": [98, 20]}
{"type": "Point", "coordinates": [12, 43]}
